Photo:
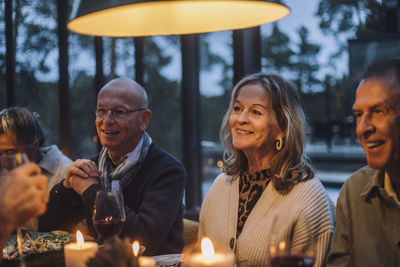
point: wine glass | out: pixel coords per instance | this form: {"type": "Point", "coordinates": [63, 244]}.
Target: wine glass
{"type": "Point", "coordinates": [8, 162]}
{"type": "Point", "coordinates": [108, 213]}
{"type": "Point", "coordinates": [293, 246]}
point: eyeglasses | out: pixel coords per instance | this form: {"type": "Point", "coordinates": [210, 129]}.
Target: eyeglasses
{"type": "Point", "coordinates": [117, 114]}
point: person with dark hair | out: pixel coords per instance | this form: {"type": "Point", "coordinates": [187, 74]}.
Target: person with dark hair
{"type": "Point", "coordinates": [368, 208]}
{"type": "Point", "coordinates": [151, 179]}
{"type": "Point", "coordinates": [265, 175]}
{"type": "Point", "coordinates": [23, 196]}
{"type": "Point", "coordinates": [21, 131]}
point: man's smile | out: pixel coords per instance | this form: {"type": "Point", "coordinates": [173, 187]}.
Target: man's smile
{"type": "Point", "coordinates": [374, 144]}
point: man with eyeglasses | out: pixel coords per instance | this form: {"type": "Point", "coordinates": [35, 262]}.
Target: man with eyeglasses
{"type": "Point", "coordinates": [152, 180]}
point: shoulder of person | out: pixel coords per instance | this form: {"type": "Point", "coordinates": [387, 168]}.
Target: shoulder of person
{"type": "Point", "coordinates": [218, 191]}
{"type": "Point", "coordinates": [159, 156]}
{"type": "Point", "coordinates": [312, 196]}
{"type": "Point", "coordinates": [312, 186]}
{"type": "Point", "coordinates": [359, 178]}
{"type": "Point", "coordinates": [221, 182]}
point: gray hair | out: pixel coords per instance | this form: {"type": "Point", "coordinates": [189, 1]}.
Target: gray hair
{"type": "Point", "coordinates": [24, 124]}
{"type": "Point", "coordinates": [385, 69]}
{"type": "Point", "coordinates": [289, 166]}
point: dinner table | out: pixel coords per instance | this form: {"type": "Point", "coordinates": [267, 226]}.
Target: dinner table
{"type": "Point", "coordinates": [55, 256]}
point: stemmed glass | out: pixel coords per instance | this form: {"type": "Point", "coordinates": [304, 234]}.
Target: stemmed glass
{"type": "Point", "coordinates": [10, 162]}
{"type": "Point", "coordinates": [294, 247]}
{"type": "Point", "coordinates": [108, 213]}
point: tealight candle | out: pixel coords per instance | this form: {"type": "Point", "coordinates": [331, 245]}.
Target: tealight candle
{"type": "Point", "coordinates": [140, 261]}
{"type": "Point", "coordinates": [208, 257]}
{"type": "Point", "coordinates": [77, 254]}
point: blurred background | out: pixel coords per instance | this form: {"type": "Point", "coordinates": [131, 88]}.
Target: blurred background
{"type": "Point", "coordinates": [322, 46]}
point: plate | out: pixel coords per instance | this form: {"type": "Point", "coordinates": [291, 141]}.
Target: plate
{"type": "Point", "coordinates": [40, 248]}
{"type": "Point", "coordinates": [168, 260]}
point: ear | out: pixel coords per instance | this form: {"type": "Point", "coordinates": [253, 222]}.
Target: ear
{"type": "Point", "coordinates": [145, 119]}
{"type": "Point", "coordinates": [36, 145]}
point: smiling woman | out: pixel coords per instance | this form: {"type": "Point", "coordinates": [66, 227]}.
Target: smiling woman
{"type": "Point", "coordinates": [265, 174]}
{"type": "Point", "coordinates": [267, 107]}
{"type": "Point", "coordinates": [254, 127]}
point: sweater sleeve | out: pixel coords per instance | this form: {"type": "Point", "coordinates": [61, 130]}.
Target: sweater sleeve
{"type": "Point", "coordinates": [155, 217]}
{"type": "Point", "coordinates": [315, 219]}
{"type": "Point", "coordinates": [64, 210]}
{"type": "Point", "coordinates": [341, 253]}
{"type": "Point", "coordinates": [320, 243]}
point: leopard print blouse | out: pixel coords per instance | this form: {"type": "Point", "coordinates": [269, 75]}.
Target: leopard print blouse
{"type": "Point", "coordinates": [251, 186]}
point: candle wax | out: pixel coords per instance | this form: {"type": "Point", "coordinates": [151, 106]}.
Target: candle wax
{"type": "Point", "coordinates": [77, 256]}
{"type": "Point", "coordinates": [146, 262]}
{"type": "Point", "coordinates": [217, 260]}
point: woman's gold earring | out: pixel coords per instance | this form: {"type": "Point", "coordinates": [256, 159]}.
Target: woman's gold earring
{"type": "Point", "coordinates": [279, 144]}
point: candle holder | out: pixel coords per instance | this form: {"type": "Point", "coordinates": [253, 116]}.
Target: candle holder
{"type": "Point", "coordinates": [206, 254]}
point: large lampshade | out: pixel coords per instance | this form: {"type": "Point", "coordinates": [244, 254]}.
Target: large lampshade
{"type": "Point", "coordinates": [121, 18]}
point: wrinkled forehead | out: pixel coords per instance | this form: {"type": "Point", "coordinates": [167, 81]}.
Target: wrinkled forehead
{"type": "Point", "coordinates": [377, 90]}
{"type": "Point", "coordinates": [119, 95]}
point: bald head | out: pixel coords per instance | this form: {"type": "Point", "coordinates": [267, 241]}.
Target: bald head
{"type": "Point", "coordinates": [121, 116]}
{"type": "Point", "coordinates": [129, 88]}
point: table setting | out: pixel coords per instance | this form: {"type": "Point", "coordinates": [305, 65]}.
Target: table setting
{"type": "Point", "coordinates": [60, 248]}
{"type": "Point", "coordinates": [39, 248]}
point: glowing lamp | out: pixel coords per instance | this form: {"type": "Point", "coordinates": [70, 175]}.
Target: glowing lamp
{"type": "Point", "coordinates": [122, 18]}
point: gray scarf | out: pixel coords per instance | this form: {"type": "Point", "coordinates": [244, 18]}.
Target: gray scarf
{"type": "Point", "coordinates": [126, 170]}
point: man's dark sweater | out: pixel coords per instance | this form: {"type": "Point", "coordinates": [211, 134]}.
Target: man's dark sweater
{"type": "Point", "coordinates": [153, 205]}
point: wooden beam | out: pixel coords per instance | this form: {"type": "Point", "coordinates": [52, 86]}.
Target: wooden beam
{"type": "Point", "coordinates": [191, 119]}
{"type": "Point", "coordinates": [63, 82]}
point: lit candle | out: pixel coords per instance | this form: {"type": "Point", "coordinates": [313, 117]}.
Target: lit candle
{"type": "Point", "coordinates": [141, 261]}
{"type": "Point", "coordinates": [77, 254]}
{"type": "Point", "coordinates": [135, 248]}
{"type": "Point", "coordinates": [208, 257]}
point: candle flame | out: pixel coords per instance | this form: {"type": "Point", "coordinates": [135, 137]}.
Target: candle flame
{"type": "Point", "coordinates": [79, 239]}
{"type": "Point", "coordinates": [207, 248]}
{"type": "Point", "coordinates": [135, 248]}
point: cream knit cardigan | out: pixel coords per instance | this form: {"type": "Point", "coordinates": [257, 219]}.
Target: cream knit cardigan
{"type": "Point", "coordinates": [219, 211]}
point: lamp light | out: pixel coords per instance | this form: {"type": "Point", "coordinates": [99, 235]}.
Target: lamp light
{"type": "Point", "coordinates": [122, 18]}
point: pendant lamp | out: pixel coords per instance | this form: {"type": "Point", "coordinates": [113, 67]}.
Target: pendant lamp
{"type": "Point", "coordinates": [123, 18]}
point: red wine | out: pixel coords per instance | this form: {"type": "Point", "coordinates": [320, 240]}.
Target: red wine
{"type": "Point", "coordinates": [108, 228]}
{"type": "Point", "coordinates": [292, 261]}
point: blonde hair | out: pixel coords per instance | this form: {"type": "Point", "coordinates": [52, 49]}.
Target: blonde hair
{"type": "Point", "coordinates": [289, 165]}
